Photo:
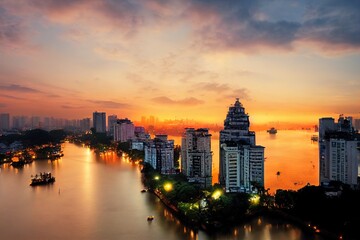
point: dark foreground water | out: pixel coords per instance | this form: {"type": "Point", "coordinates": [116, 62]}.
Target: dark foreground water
{"type": "Point", "coordinates": [98, 197]}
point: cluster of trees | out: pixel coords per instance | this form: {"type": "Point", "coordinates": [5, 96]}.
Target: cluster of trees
{"type": "Point", "coordinates": [339, 214]}
{"type": "Point", "coordinates": [198, 205]}
{"type": "Point", "coordinates": [35, 137]}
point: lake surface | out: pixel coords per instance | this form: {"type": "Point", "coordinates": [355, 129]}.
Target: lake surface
{"type": "Point", "coordinates": [98, 197]}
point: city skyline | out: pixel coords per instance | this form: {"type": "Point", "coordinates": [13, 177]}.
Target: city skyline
{"type": "Point", "coordinates": [287, 62]}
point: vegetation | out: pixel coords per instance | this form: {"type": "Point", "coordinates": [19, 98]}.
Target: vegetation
{"type": "Point", "coordinates": [35, 137]}
{"type": "Point", "coordinates": [337, 214]}
{"type": "Point", "coordinates": [206, 208]}
{"type": "Point", "coordinates": [132, 153]}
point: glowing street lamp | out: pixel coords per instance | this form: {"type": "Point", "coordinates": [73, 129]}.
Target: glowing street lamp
{"type": "Point", "coordinates": [216, 194]}
{"type": "Point", "coordinates": [156, 177]}
{"type": "Point", "coordinates": [168, 187]}
{"type": "Point", "coordinates": [255, 199]}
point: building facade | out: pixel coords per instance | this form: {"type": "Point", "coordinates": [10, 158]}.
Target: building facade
{"type": "Point", "coordinates": [4, 121]}
{"type": "Point", "coordinates": [99, 122]}
{"type": "Point", "coordinates": [111, 124]}
{"type": "Point", "coordinates": [338, 151]}
{"type": "Point", "coordinates": [159, 153]}
{"type": "Point", "coordinates": [124, 130]}
{"type": "Point", "coordinates": [241, 160]}
{"type": "Point", "coordinates": [196, 156]}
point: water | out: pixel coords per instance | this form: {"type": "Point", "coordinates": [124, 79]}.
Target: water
{"type": "Point", "coordinates": [98, 197]}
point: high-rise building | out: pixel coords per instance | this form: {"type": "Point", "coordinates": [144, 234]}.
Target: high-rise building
{"type": "Point", "coordinates": [159, 153]}
{"type": "Point", "coordinates": [357, 124]}
{"type": "Point", "coordinates": [4, 121]}
{"type": "Point", "coordinates": [241, 160]}
{"type": "Point", "coordinates": [111, 123]}
{"type": "Point", "coordinates": [99, 122]}
{"type": "Point", "coordinates": [20, 122]}
{"type": "Point", "coordinates": [85, 124]}
{"type": "Point", "coordinates": [196, 156]}
{"type": "Point", "coordinates": [338, 151]}
{"type": "Point", "coordinates": [123, 130]}
{"type": "Point", "coordinates": [35, 122]}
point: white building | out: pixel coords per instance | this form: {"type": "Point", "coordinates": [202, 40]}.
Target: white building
{"type": "Point", "coordinates": [241, 160]}
{"type": "Point", "coordinates": [196, 156]}
{"type": "Point", "coordinates": [159, 153]}
{"type": "Point", "coordinates": [338, 151]}
{"type": "Point", "coordinates": [123, 130]}
{"type": "Point", "coordinates": [99, 122]}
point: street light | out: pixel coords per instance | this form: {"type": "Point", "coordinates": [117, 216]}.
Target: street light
{"type": "Point", "coordinates": [216, 194]}
{"type": "Point", "coordinates": [255, 199]}
{"type": "Point", "coordinates": [168, 187]}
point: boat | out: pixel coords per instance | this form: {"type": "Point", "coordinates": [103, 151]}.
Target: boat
{"type": "Point", "coordinates": [272, 130]}
{"type": "Point", "coordinates": [17, 164]}
{"type": "Point", "coordinates": [314, 138]}
{"type": "Point", "coordinates": [42, 179]}
{"type": "Point", "coordinates": [144, 190]}
{"type": "Point", "coordinates": [150, 218]}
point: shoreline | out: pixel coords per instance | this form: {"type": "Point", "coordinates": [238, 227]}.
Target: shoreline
{"type": "Point", "coordinates": [263, 212]}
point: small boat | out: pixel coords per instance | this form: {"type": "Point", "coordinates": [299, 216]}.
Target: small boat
{"type": "Point", "coordinates": [150, 218]}
{"type": "Point", "coordinates": [42, 179]}
{"type": "Point", "coordinates": [144, 190]}
{"type": "Point", "coordinates": [272, 130]}
{"type": "Point", "coordinates": [314, 138]}
{"type": "Point", "coordinates": [18, 164]}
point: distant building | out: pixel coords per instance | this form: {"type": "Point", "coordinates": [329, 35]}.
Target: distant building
{"type": "Point", "coordinates": [241, 160]}
{"type": "Point", "coordinates": [124, 130]}
{"type": "Point", "coordinates": [357, 124]}
{"type": "Point", "coordinates": [196, 156]}
{"type": "Point", "coordinates": [4, 121]}
{"type": "Point", "coordinates": [338, 151]}
{"type": "Point", "coordinates": [159, 153]}
{"type": "Point", "coordinates": [85, 124]}
{"type": "Point", "coordinates": [35, 122]}
{"type": "Point", "coordinates": [20, 122]}
{"type": "Point", "coordinates": [99, 122]}
{"type": "Point", "coordinates": [140, 133]}
{"type": "Point", "coordinates": [111, 124]}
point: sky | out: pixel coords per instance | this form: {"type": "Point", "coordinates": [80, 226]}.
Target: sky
{"type": "Point", "coordinates": [287, 61]}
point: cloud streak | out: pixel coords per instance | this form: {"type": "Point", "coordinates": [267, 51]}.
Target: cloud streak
{"type": "Point", "coordinates": [19, 88]}
{"type": "Point", "coordinates": [186, 101]}
{"type": "Point", "coordinates": [109, 104]}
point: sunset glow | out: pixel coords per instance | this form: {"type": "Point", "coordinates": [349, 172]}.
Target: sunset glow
{"type": "Point", "coordinates": [290, 62]}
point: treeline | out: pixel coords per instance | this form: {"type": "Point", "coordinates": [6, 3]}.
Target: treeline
{"type": "Point", "coordinates": [337, 213]}
{"type": "Point", "coordinates": [204, 208]}
{"type": "Point", "coordinates": [35, 137]}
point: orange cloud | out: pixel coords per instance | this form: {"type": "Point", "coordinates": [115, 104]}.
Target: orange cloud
{"type": "Point", "coordinates": [168, 101]}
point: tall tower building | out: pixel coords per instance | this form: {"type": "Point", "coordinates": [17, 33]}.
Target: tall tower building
{"type": "Point", "coordinates": [338, 151]}
{"type": "Point", "coordinates": [4, 121]}
{"type": "Point", "coordinates": [241, 160]}
{"type": "Point", "coordinates": [196, 156]}
{"type": "Point", "coordinates": [99, 122]}
{"type": "Point", "coordinates": [159, 153]}
{"type": "Point", "coordinates": [111, 123]}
